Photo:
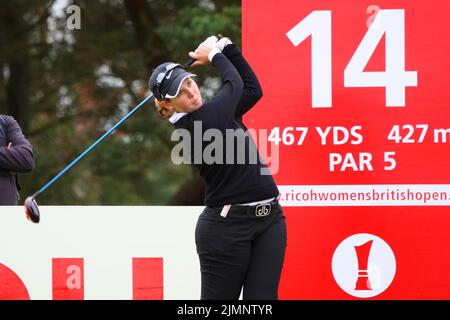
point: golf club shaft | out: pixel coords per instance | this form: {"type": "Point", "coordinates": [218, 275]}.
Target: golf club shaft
{"type": "Point", "coordinates": [93, 145]}
{"type": "Point", "coordinates": [187, 64]}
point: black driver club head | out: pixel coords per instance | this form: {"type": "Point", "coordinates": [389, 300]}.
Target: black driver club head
{"type": "Point", "coordinates": [32, 210]}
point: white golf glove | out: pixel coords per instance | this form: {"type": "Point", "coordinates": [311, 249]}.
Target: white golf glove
{"type": "Point", "coordinates": [222, 43]}
{"type": "Point", "coordinates": [211, 40]}
{"type": "Point", "coordinates": [218, 43]}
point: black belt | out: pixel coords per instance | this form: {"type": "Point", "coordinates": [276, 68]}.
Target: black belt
{"type": "Point", "coordinates": [259, 210]}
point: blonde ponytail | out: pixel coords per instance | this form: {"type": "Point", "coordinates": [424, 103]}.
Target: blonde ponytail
{"type": "Point", "coordinates": [162, 111]}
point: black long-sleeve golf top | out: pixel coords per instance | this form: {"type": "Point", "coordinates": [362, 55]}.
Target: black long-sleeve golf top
{"type": "Point", "coordinates": [16, 155]}
{"type": "Point", "coordinates": [241, 176]}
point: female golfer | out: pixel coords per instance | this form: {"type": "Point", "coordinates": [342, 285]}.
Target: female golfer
{"type": "Point", "coordinates": [241, 233]}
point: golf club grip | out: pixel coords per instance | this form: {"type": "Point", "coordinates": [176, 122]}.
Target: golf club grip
{"type": "Point", "coordinates": [189, 63]}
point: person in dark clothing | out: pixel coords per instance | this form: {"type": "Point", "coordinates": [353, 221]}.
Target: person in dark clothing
{"type": "Point", "coordinates": [241, 233]}
{"type": "Point", "coordinates": [16, 155]}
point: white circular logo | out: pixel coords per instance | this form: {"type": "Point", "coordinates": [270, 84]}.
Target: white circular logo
{"type": "Point", "coordinates": [363, 265]}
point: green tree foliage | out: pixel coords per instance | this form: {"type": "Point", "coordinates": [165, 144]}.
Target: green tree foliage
{"type": "Point", "coordinates": [66, 87]}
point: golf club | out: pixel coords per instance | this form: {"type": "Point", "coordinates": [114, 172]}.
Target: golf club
{"type": "Point", "coordinates": [31, 206]}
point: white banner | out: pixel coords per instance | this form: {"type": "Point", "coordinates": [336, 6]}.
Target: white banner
{"type": "Point", "coordinates": [107, 238]}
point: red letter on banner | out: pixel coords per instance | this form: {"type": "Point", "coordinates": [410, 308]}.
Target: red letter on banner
{"type": "Point", "coordinates": [148, 278]}
{"type": "Point", "coordinates": [68, 279]}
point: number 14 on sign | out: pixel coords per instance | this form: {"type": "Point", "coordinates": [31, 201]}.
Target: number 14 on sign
{"type": "Point", "coordinates": [395, 78]}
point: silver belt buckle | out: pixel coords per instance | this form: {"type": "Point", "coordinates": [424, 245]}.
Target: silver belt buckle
{"type": "Point", "coordinates": [263, 210]}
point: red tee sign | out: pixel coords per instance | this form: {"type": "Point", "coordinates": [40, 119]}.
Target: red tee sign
{"type": "Point", "coordinates": [356, 106]}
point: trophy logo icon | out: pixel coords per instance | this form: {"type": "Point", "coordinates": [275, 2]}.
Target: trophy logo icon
{"type": "Point", "coordinates": [363, 265]}
{"type": "Point", "coordinates": [362, 254]}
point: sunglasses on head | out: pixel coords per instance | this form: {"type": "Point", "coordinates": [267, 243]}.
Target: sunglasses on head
{"type": "Point", "coordinates": [160, 78]}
